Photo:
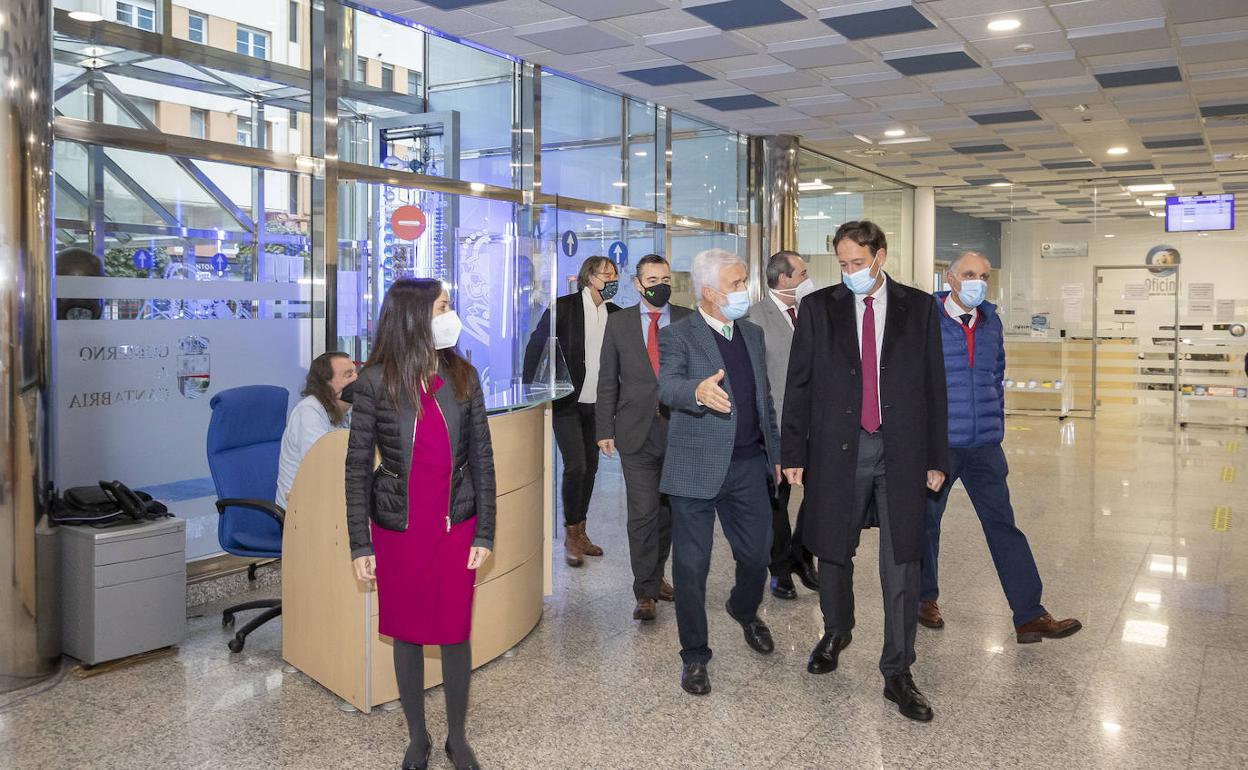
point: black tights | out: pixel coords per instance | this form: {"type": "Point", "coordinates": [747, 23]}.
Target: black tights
{"type": "Point", "coordinates": [409, 670]}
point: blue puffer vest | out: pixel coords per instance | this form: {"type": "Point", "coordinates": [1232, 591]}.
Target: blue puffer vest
{"type": "Point", "coordinates": [976, 395]}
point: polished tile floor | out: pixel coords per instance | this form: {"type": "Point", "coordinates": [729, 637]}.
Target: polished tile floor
{"type": "Point", "coordinates": [1136, 531]}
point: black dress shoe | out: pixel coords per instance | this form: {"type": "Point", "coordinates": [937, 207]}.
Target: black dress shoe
{"type": "Point", "coordinates": [757, 634]}
{"type": "Point", "coordinates": [782, 587]}
{"type": "Point", "coordinates": [428, 751]}
{"type": "Point", "coordinates": [823, 659]}
{"type": "Point", "coordinates": [694, 679]}
{"type": "Point", "coordinates": [806, 573]}
{"type": "Point", "coordinates": [910, 702]}
{"type": "Point", "coordinates": [469, 763]}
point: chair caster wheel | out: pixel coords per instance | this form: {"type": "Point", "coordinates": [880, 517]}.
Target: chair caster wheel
{"type": "Point", "coordinates": [235, 645]}
{"type": "Point", "coordinates": [227, 620]}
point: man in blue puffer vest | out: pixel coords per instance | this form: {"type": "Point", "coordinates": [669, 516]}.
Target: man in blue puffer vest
{"type": "Point", "coordinates": [974, 347]}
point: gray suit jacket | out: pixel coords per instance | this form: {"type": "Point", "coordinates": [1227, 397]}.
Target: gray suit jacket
{"type": "Point", "coordinates": [699, 441]}
{"type": "Point", "coordinates": [779, 335]}
{"type": "Point", "coordinates": [627, 388]}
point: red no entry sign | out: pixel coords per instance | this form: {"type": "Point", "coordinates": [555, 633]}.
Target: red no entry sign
{"type": "Point", "coordinates": [407, 222]}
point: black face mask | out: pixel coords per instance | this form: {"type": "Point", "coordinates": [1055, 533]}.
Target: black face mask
{"type": "Point", "coordinates": [657, 295]}
{"type": "Point", "coordinates": [608, 290]}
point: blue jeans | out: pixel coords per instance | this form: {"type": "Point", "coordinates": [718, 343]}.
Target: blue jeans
{"type": "Point", "coordinates": [983, 471]}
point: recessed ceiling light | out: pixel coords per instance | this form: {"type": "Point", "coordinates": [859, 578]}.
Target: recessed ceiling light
{"type": "Point", "coordinates": [87, 16]}
{"type": "Point", "coordinates": [895, 132]}
{"type": "Point", "coordinates": [1109, 235]}
{"type": "Point", "coordinates": [476, 187]}
{"type": "Point", "coordinates": [1004, 25]}
{"type": "Point", "coordinates": [1024, 48]}
{"type": "Point", "coordinates": [640, 153]}
{"type": "Point", "coordinates": [864, 139]}
{"type": "Point", "coordinates": [1117, 151]}
{"type": "Point", "coordinates": [1138, 188]}
{"type": "Point", "coordinates": [619, 184]}
{"type": "Point", "coordinates": [1001, 184]}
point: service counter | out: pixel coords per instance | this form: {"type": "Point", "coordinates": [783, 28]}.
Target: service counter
{"type": "Point", "coordinates": [329, 619]}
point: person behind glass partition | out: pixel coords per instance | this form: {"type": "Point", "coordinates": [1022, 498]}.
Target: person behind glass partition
{"type": "Point", "coordinates": [321, 410]}
{"type": "Point", "coordinates": [420, 403]}
{"type": "Point", "coordinates": [580, 323]}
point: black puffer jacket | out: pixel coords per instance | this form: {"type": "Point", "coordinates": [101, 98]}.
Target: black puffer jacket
{"type": "Point", "coordinates": [379, 492]}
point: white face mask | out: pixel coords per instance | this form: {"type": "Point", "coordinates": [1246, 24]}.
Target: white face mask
{"type": "Point", "coordinates": [446, 330]}
{"type": "Point", "coordinates": [801, 291]}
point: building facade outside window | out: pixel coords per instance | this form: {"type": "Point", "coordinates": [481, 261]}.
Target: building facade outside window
{"type": "Point", "coordinates": [295, 14]}
{"type": "Point", "coordinates": [138, 14]}
{"type": "Point", "coordinates": [243, 132]}
{"type": "Point", "coordinates": [252, 42]}
{"type": "Point", "coordinates": [413, 83]}
{"type": "Point", "coordinates": [387, 77]}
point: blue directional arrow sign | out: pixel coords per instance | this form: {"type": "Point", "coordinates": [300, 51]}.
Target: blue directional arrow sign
{"type": "Point", "coordinates": [220, 263]}
{"type": "Point", "coordinates": [618, 252]}
{"type": "Point", "coordinates": [143, 259]}
{"type": "Point", "coordinates": [569, 242]}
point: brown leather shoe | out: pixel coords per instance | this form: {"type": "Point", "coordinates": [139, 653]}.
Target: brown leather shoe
{"type": "Point", "coordinates": [929, 615]}
{"type": "Point", "coordinates": [646, 609]}
{"type": "Point", "coordinates": [666, 592]}
{"type": "Point", "coordinates": [1046, 627]}
{"type": "Point", "coordinates": [587, 546]}
{"type": "Point", "coordinates": [572, 546]}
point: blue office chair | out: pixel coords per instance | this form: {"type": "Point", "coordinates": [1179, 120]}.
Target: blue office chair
{"type": "Point", "coordinates": [244, 442]}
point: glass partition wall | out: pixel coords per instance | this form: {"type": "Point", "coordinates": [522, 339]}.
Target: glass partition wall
{"type": "Point", "coordinates": [216, 173]}
{"type": "Point", "coordinates": [1109, 309]}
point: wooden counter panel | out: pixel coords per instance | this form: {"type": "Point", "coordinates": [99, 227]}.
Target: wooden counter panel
{"type": "Point", "coordinates": [518, 457]}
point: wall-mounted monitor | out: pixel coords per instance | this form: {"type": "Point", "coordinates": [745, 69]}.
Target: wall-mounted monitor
{"type": "Point", "coordinates": [1186, 213]}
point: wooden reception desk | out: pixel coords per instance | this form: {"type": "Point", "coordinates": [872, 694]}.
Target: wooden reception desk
{"type": "Point", "coordinates": [329, 619]}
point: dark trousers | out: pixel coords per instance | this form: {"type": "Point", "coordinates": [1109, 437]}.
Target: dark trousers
{"type": "Point", "coordinates": [649, 511]}
{"type": "Point", "coordinates": [787, 551]}
{"type": "Point", "coordinates": [983, 471]}
{"type": "Point", "coordinates": [900, 582]}
{"type": "Point", "coordinates": [745, 516]}
{"type": "Point", "coordinates": [575, 433]}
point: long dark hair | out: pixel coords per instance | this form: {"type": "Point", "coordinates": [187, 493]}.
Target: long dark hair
{"type": "Point", "coordinates": [317, 384]}
{"type": "Point", "coordinates": [403, 346]}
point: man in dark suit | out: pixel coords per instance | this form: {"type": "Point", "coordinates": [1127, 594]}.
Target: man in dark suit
{"type": "Point", "coordinates": [723, 455]}
{"type": "Point", "coordinates": [865, 431]}
{"type": "Point", "coordinates": [788, 281]}
{"type": "Point", "coordinates": [580, 323]}
{"type": "Point", "coordinates": [631, 420]}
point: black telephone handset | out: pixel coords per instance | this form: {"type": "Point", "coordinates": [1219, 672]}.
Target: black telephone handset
{"type": "Point", "coordinates": [130, 504]}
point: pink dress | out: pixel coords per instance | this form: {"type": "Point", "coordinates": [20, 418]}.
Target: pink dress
{"type": "Point", "coordinates": [424, 586]}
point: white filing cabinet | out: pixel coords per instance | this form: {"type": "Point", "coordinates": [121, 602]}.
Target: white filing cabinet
{"type": "Point", "coordinates": [123, 588]}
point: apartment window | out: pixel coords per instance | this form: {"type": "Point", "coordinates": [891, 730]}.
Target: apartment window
{"type": "Point", "coordinates": [199, 123]}
{"type": "Point", "coordinates": [138, 14]}
{"type": "Point", "coordinates": [294, 21]}
{"type": "Point", "coordinates": [146, 106]}
{"type": "Point", "coordinates": [197, 28]}
{"type": "Point", "coordinates": [243, 132]}
{"type": "Point", "coordinates": [413, 83]}
{"type": "Point", "coordinates": [361, 69]}
{"type": "Point", "coordinates": [252, 42]}
{"type": "Point", "coordinates": [387, 77]}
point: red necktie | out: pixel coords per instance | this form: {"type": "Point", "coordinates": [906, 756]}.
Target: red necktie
{"type": "Point", "coordinates": [870, 372]}
{"type": "Point", "coordinates": [652, 342]}
{"type": "Point", "coordinates": [793, 317]}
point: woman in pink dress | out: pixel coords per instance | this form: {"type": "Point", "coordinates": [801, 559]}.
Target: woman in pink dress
{"type": "Point", "coordinates": [422, 521]}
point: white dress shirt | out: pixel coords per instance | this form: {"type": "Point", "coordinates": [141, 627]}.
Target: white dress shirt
{"type": "Point", "coordinates": [595, 328]}
{"type": "Point", "coordinates": [880, 310]}
{"type": "Point", "coordinates": [717, 325]}
{"type": "Point", "coordinates": [784, 309]}
{"type": "Point", "coordinates": [308, 421]}
{"type": "Point", "coordinates": [956, 312]}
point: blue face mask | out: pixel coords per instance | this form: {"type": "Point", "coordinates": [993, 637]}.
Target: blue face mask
{"type": "Point", "coordinates": [861, 282]}
{"type": "Point", "coordinates": [972, 292]}
{"type": "Point", "coordinates": [738, 305]}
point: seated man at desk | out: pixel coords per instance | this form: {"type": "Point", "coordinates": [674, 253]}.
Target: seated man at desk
{"type": "Point", "coordinates": [321, 410]}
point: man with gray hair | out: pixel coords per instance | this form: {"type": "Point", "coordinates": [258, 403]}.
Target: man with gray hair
{"type": "Point", "coordinates": [974, 348]}
{"type": "Point", "coordinates": [723, 456]}
{"type": "Point", "coordinates": [788, 281]}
